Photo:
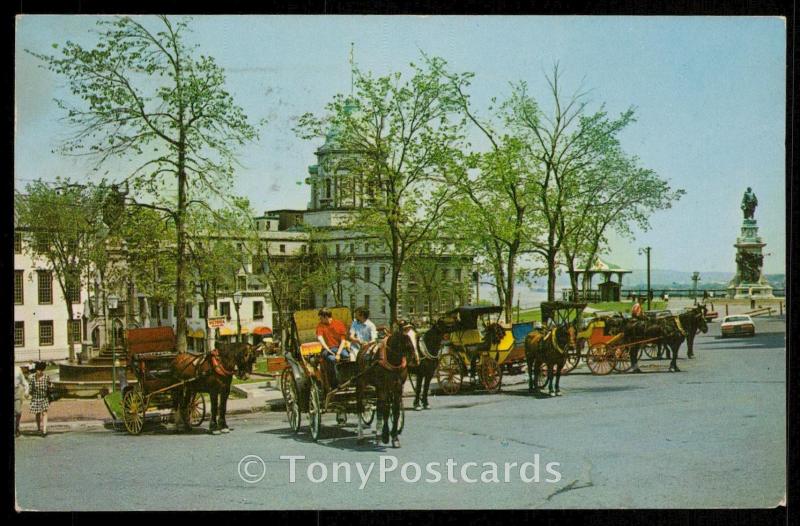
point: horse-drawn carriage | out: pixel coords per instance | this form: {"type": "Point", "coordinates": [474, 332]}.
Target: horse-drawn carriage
{"type": "Point", "coordinates": [151, 353]}
{"type": "Point", "coordinates": [478, 343]}
{"type": "Point", "coordinates": [305, 383]}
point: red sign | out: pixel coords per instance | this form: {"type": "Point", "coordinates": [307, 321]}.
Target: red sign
{"type": "Point", "coordinates": [216, 323]}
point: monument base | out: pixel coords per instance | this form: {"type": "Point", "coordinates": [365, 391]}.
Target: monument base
{"type": "Point", "coordinates": [745, 291]}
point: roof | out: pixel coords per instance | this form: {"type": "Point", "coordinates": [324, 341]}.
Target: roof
{"type": "Point", "coordinates": [477, 309]}
{"type": "Point", "coordinates": [600, 265]}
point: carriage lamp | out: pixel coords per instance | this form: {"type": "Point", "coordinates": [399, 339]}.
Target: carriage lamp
{"type": "Point", "coordinates": [237, 301]}
{"type": "Point", "coordinates": [113, 302]}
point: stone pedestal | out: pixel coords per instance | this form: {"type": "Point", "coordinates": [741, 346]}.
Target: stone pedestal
{"type": "Point", "coordinates": [749, 281]}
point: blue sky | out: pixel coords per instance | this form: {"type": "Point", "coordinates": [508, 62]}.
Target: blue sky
{"type": "Point", "coordinates": [709, 93]}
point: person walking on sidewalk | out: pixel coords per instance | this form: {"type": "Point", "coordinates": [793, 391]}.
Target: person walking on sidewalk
{"type": "Point", "coordinates": [40, 389]}
{"type": "Point", "coordinates": [20, 392]}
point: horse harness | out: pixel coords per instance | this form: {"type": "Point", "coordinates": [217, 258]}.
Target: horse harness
{"type": "Point", "coordinates": [216, 364]}
{"type": "Point", "coordinates": [383, 361]}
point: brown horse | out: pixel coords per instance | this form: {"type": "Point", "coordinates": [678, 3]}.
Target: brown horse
{"type": "Point", "coordinates": [548, 347]}
{"type": "Point", "coordinates": [429, 345]}
{"type": "Point", "coordinates": [386, 371]}
{"type": "Point", "coordinates": [212, 374]}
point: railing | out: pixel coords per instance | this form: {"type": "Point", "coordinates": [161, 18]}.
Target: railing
{"type": "Point", "coordinates": [687, 293]}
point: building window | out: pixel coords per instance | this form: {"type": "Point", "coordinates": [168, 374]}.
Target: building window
{"type": "Point", "coordinates": [189, 309]}
{"type": "Point", "coordinates": [201, 310]}
{"type": "Point", "coordinates": [164, 311]}
{"type": "Point", "coordinates": [74, 290]}
{"type": "Point", "coordinates": [383, 306]}
{"type": "Point", "coordinates": [153, 310]}
{"type": "Point", "coordinates": [45, 332]}
{"type": "Point", "coordinates": [19, 334]}
{"type": "Point", "coordinates": [17, 243]}
{"type": "Point", "coordinates": [225, 309]}
{"type": "Point", "coordinates": [142, 306]}
{"type": "Point", "coordinates": [366, 274]}
{"type": "Point", "coordinates": [175, 311]}
{"type": "Point", "coordinates": [258, 310]}
{"type": "Point", "coordinates": [74, 331]}
{"type": "Point", "coordinates": [42, 243]}
{"type": "Point", "coordinates": [45, 287]}
{"type": "Point", "coordinates": [19, 297]}
{"type": "Point", "coordinates": [241, 282]}
{"type": "Point", "coordinates": [458, 275]}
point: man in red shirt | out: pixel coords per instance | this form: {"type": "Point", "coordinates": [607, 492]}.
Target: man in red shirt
{"type": "Point", "coordinates": [332, 334]}
{"type": "Point", "coordinates": [636, 310]}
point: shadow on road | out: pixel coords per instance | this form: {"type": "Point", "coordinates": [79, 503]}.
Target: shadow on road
{"type": "Point", "coordinates": [335, 437]}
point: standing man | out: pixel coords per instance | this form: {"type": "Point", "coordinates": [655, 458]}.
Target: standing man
{"type": "Point", "coordinates": [20, 392]}
{"type": "Point", "coordinates": [332, 334]}
{"type": "Point", "coordinates": [362, 332]}
{"type": "Point", "coordinates": [636, 310]}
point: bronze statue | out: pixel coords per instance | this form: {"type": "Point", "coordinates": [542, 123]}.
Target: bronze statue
{"type": "Point", "coordinates": [749, 203]}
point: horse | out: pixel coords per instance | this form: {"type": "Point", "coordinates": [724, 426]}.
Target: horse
{"type": "Point", "coordinates": [683, 327]}
{"type": "Point", "coordinates": [387, 372]}
{"type": "Point", "coordinates": [548, 347]}
{"type": "Point", "coordinates": [636, 330]}
{"type": "Point", "coordinates": [694, 321]}
{"type": "Point", "coordinates": [429, 345]}
{"type": "Point", "coordinates": [212, 374]}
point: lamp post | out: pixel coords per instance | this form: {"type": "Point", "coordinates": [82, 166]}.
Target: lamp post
{"type": "Point", "coordinates": [113, 302]}
{"type": "Point", "coordinates": [237, 301]}
{"type": "Point", "coordinates": [646, 250]}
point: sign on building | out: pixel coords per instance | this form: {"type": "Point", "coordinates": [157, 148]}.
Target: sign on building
{"type": "Point", "coordinates": [216, 323]}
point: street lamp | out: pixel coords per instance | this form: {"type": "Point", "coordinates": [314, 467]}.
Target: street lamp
{"type": "Point", "coordinates": [237, 301]}
{"type": "Point", "coordinates": [646, 250]}
{"type": "Point", "coordinates": [113, 302]}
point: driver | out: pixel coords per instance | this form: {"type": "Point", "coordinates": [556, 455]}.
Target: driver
{"type": "Point", "coordinates": [362, 331]}
{"type": "Point", "coordinates": [332, 334]}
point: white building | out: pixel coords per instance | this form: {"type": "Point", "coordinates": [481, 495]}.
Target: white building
{"type": "Point", "coordinates": [41, 324]}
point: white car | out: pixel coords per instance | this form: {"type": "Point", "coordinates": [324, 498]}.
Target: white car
{"type": "Point", "coordinates": [738, 325]}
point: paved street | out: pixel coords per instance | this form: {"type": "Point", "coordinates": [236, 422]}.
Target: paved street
{"type": "Point", "coordinates": [710, 436]}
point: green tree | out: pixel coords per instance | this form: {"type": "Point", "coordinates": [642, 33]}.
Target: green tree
{"type": "Point", "coordinates": [406, 141]}
{"type": "Point", "coordinates": [61, 224]}
{"type": "Point", "coordinates": [148, 97]}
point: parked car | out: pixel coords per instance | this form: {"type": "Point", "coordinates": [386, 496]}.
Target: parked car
{"type": "Point", "coordinates": [738, 325]}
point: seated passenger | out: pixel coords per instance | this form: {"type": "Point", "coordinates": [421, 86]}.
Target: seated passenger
{"type": "Point", "coordinates": [362, 332]}
{"type": "Point", "coordinates": [332, 334]}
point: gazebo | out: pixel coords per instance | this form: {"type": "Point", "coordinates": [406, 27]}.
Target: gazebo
{"type": "Point", "coordinates": [607, 290]}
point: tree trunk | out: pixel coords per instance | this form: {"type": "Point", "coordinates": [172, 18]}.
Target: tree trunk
{"type": "Point", "coordinates": [70, 337]}
{"type": "Point", "coordinates": [510, 276]}
{"type": "Point", "coordinates": [180, 292]}
{"type": "Point", "coordinates": [551, 275]}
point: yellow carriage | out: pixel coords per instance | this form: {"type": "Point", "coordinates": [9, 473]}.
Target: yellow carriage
{"type": "Point", "coordinates": [477, 343]}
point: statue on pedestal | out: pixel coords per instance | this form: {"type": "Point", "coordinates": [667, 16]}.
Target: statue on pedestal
{"type": "Point", "coordinates": [749, 203]}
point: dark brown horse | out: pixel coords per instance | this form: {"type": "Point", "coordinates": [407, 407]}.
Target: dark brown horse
{"type": "Point", "coordinates": [546, 346]}
{"type": "Point", "coordinates": [386, 371]}
{"type": "Point", "coordinates": [212, 373]}
{"type": "Point", "coordinates": [429, 345]}
{"type": "Point", "coordinates": [685, 326]}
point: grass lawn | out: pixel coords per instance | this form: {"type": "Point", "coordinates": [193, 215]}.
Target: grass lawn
{"type": "Point", "coordinates": [621, 306]}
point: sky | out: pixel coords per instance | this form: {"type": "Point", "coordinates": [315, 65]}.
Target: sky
{"type": "Point", "coordinates": [709, 94]}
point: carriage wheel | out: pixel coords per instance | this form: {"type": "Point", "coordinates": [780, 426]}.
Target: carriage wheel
{"type": "Point", "coordinates": [622, 359]}
{"type": "Point", "coordinates": [133, 410]}
{"type": "Point", "coordinates": [449, 374]}
{"type": "Point", "coordinates": [314, 411]}
{"type": "Point", "coordinates": [490, 373]}
{"type": "Point", "coordinates": [574, 356]}
{"type": "Point", "coordinates": [599, 359]}
{"type": "Point", "coordinates": [367, 413]}
{"type": "Point", "coordinates": [651, 350]}
{"type": "Point", "coordinates": [197, 409]}
{"type": "Point", "coordinates": [292, 400]}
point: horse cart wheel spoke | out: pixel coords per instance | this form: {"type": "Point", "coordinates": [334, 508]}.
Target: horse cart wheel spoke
{"type": "Point", "coordinates": [622, 359]}
{"type": "Point", "coordinates": [600, 359]}
{"type": "Point", "coordinates": [651, 350]}
{"type": "Point", "coordinates": [134, 407]}
{"type": "Point", "coordinates": [449, 373]}
{"type": "Point", "coordinates": [490, 373]}
{"type": "Point", "coordinates": [197, 410]}
{"type": "Point", "coordinates": [314, 411]}
{"type": "Point", "coordinates": [541, 380]}
{"type": "Point", "coordinates": [574, 356]}
{"type": "Point", "coordinates": [290, 396]}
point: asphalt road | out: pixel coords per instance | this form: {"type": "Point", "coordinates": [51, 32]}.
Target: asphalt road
{"type": "Point", "coordinates": [712, 435]}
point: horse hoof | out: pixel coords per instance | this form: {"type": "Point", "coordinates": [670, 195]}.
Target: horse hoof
{"type": "Point", "coordinates": [395, 443]}
{"type": "Point", "coordinates": [552, 393]}
{"type": "Point", "coordinates": [558, 393]}
{"type": "Point", "coordinates": [215, 432]}
{"type": "Point", "coordinates": [426, 407]}
{"type": "Point", "coordinates": [691, 356]}
{"type": "Point", "coordinates": [417, 408]}
{"type": "Point", "coordinates": [225, 430]}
